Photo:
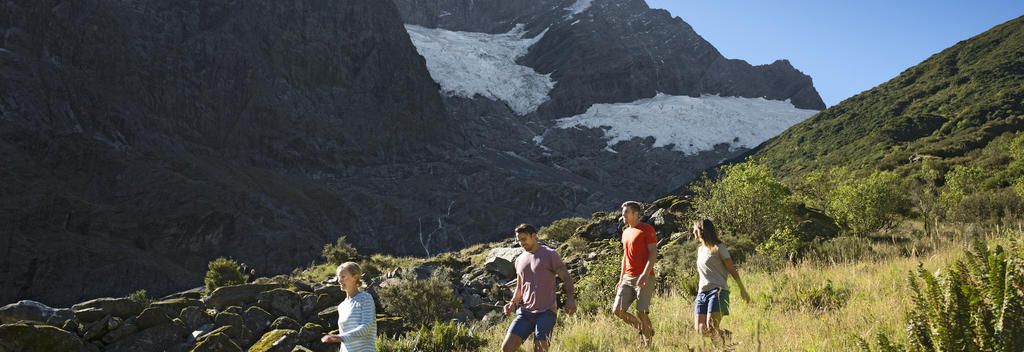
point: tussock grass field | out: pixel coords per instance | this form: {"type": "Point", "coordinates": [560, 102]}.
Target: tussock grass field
{"type": "Point", "coordinates": [810, 306]}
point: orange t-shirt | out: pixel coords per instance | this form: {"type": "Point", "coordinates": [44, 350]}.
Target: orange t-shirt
{"type": "Point", "coordinates": [634, 248]}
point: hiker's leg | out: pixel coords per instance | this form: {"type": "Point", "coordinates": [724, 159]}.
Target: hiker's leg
{"type": "Point", "coordinates": [623, 299]}
{"type": "Point", "coordinates": [520, 329]}
{"type": "Point", "coordinates": [643, 308]}
{"type": "Point", "coordinates": [700, 324]}
{"type": "Point", "coordinates": [715, 323]}
{"type": "Point", "coordinates": [545, 325]}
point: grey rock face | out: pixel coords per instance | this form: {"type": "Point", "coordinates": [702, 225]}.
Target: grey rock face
{"type": "Point", "coordinates": [501, 261]}
{"type": "Point", "coordinates": [25, 310]}
{"type": "Point", "coordinates": [118, 307]}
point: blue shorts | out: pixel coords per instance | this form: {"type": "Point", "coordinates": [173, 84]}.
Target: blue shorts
{"type": "Point", "coordinates": [540, 324]}
{"type": "Point", "coordinates": [713, 300]}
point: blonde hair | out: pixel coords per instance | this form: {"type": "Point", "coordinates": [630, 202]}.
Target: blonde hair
{"type": "Point", "coordinates": [352, 268]}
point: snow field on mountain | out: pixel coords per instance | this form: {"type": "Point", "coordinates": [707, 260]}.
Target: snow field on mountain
{"type": "Point", "coordinates": [467, 63]}
{"type": "Point", "coordinates": [689, 124]}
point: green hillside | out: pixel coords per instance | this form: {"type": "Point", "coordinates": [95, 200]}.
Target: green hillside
{"type": "Point", "coordinates": [949, 108]}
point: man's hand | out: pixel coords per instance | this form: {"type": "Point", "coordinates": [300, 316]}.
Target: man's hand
{"type": "Point", "coordinates": [330, 339]}
{"type": "Point", "coordinates": [509, 308]}
{"type": "Point", "coordinates": [642, 281]}
{"type": "Point", "coordinates": [617, 285]}
{"type": "Point", "coordinates": [570, 307]}
{"type": "Point", "coordinates": [746, 297]}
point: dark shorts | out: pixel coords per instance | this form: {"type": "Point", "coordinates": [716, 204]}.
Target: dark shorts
{"type": "Point", "coordinates": [540, 324]}
{"type": "Point", "coordinates": [710, 301]}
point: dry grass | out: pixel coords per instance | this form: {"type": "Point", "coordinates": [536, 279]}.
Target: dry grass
{"type": "Point", "coordinates": [878, 298]}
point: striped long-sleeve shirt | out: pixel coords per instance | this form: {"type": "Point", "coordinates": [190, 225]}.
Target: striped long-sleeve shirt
{"type": "Point", "coordinates": [357, 324]}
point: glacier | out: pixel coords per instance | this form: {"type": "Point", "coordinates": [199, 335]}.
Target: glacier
{"type": "Point", "coordinates": [688, 124]}
{"type": "Point", "coordinates": [467, 64]}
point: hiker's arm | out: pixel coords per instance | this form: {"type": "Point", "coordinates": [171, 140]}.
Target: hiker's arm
{"type": "Point", "coordinates": [651, 259]}
{"type": "Point", "coordinates": [570, 289]}
{"type": "Point", "coordinates": [736, 275]}
{"type": "Point", "coordinates": [517, 296]}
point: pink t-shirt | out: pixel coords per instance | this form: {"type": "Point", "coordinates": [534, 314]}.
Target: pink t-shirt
{"type": "Point", "coordinates": [536, 271]}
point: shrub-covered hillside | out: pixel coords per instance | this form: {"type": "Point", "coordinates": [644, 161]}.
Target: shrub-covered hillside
{"type": "Point", "coordinates": [952, 107]}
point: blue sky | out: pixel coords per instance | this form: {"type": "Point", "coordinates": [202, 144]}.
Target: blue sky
{"type": "Point", "coordinates": [846, 46]}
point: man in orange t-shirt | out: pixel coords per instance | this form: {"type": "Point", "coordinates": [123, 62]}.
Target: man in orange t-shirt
{"type": "Point", "coordinates": [639, 252]}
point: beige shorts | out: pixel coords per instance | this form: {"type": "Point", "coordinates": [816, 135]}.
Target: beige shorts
{"type": "Point", "coordinates": [628, 292]}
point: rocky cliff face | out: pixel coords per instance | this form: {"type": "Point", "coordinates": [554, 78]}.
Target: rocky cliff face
{"type": "Point", "coordinates": [141, 140]}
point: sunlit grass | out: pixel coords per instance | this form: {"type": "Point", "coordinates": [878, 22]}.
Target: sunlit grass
{"type": "Point", "coordinates": [878, 299]}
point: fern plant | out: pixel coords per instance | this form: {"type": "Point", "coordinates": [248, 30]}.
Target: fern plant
{"type": "Point", "coordinates": [977, 305]}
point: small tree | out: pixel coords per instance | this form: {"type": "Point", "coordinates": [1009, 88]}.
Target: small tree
{"type": "Point", "coordinates": [868, 204]}
{"type": "Point", "coordinates": [340, 252]}
{"type": "Point", "coordinates": [420, 302]}
{"type": "Point", "coordinates": [223, 272]}
{"type": "Point", "coordinates": [561, 229]}
{"type": "Point", "coordinates": [746, 200]}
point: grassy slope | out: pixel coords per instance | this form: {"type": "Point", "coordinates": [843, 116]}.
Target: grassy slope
{"type": "Point", "coordinates": [878, 298]}
{"type": "Point", "coordinates": [952, 103]}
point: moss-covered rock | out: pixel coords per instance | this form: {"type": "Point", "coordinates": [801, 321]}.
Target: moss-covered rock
{"type": "Point", "coordinates": [278, 340]}
{"type": "Point", "coordinates": [167, 337]}
{"type": "Point", "coordinates": [257, 320]}
{"type": "Point", "coordinates": [152, 316]}
{"type": "Point", "coordinates": [24, 337]}
{"type": "Point", "coordinates": [216, 342]}
{"type": "Point", "coordinates": [310, 333]}
{"type": "Point", "coordinates": [173, 307]}
{"type": "Point", "coordinates": [194, 317]}
{"type": "Point", "coordinates": [233, 322]}
{"type": "Point", "coordinates": [25, 310]}
{"type": "Point", "coordinates": [282, 302]}
{"type": "Point", "coordinates": [127, 328]}
{"type": "Point", "coordinates": [119, 307]}
{"type": "Point", "coordinates": [285, 323]}
{"type": "Point", "coordinates": [238, 294]}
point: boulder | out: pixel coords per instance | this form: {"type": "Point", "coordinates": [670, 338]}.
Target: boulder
{"type": "Point", "coordinates": [500, 261]}
{"type": "Point", "coordinates": [174, 306]}
{"type": "Point", "coordinates": [89, 315]}
{"type": "Point", "coordinates": [167, 337]}
{"type": "Point", "coordinates": [309, 304]}
{"type": "Point", "coordinates": [127, 328]}
{"type": "Point", "coordinates": [334, 292]}
{"type": "Point", "coordinates": [151, 317]}
{"type": "Point", "coordinates": [60, 317]}
{"type": "Point", "coordinates": [233, 322]}
{"type": "Point", "coordinates": [25, 310]}
{"type": "Point", "coordinates": [96, 329]}
{"type": "Point", "coordinates": [24, 337]}
{"type": "Point", "coordinates": [216, 342]}
{"type": "Point", "coordinates": [282, 323]}
{"type": "Point", "coordinates": [281, 302]}
{"type": "Point", "coordinates": [310, 334]}
{"type": "Point", "coordinates": [193, 317]}
{"type": "Point", "coordinates": [118, 307]}
{"type": "Point", "coordinates": [257, 320]}
{"type": "Point", "coordinates": [281, 340]}
{"type": "Point", "coordinates": [195, 293]}
{"type": "Point", "coordinates": [237, 294]}
{"type": "Point", "coordinates": [329, 315]}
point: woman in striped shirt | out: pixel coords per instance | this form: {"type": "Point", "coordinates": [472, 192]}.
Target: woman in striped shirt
{"type": "Point", "coordinates": [357, 323]}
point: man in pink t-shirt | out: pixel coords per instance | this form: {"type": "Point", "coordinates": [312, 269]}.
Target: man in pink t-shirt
{"type": "Point", "coordinates": [535, 289]}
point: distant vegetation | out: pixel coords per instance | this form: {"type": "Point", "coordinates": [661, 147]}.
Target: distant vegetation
{"type": "Point", "coordinates": [223, 272]}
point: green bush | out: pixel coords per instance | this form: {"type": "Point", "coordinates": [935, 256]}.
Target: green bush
{"type": "Point", "coordinates": [574, 246]}
{"type": "Point", "coordinates": [866, 205]}
{"type": "Point", "coordinates": [562, 229]}
{"type": "Point", "coordinates": [420, 302]}
{"type": "Point", "coordinates": [595, 289]}
{"type": "Point", "coordinates": [676, 267]}
{"type": "Point", "coordinates": [340, 252]}
{"type": "Point", "coordinates": [223, 272]}
{"type": "Point", "coordinates": [442, 337]}
{"type": "Point", "coordinates": [745, 200]}
{"type": "Point", "coordinates": [142, 297]}
{"type": "Point", "coordinates": [1018, 187]}
{"type": "Point", "coordinates": [976, 304]}
{"type": "Point", "coordinates": [783, 244]}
